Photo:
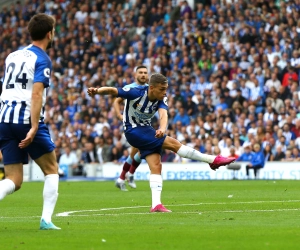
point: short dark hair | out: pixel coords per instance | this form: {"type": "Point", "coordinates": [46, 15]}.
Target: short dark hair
{"type": "Point", "coordinates": [157, 78]}
{"type": "Point", "coordinates": [140, 67]}
{"type": "Point", "coordinates": [39, 25]}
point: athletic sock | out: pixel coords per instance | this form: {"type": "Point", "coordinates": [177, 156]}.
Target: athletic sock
{"type": "Point", "coordinates": [190, 153]}
{"type": "Point", "coordinates": [50, 195]}
{"type": "Point", "coordinates": [135, 163]}
{"type": "Point", "coordinates": [156, 188]}
{"type": "Point", "coordinates": [119, 180]}
{"type": "Point", "coordinates": [7, 187]}
{"type": "Point", "coordinates": [126, 168]}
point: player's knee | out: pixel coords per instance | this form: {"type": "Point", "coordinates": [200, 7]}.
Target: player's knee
{"type": "Point", "coordinates": [18, 185]}
{"type": "Point", "coordinates": [50, 168]}
{"type": "Point", "coordinates": [156, 168]}
{"type": "Point", "coordinates": [171, 144]}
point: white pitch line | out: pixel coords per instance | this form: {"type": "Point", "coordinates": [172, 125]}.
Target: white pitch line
{"type": "Point", "coordinates": [64, 214]}
{"type": "Point", "coordinates": [148, 213]}
{"type": "Point", "coordinates": [205, 212]}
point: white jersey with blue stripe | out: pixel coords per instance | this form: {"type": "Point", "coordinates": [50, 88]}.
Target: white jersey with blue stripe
{"type": "Point", "coordinates": [139, 110]}
{"type": "Point", "coordinates": [23, 68]}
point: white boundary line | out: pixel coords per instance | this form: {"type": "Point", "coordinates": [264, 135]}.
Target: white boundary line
{"type": "Point", "coordinates": [72, 213]}
{"type": "Point", "coordinates": [200, 213]}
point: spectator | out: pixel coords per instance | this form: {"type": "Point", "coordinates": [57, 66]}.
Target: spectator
{"type": "Point", "coordinates": [295, 154]}
{"type": "Point", "coordinates": [182, 117]}
{"type": "Point", "coordinates": [70, 159]}
{"type": "Point", "coordinates": [288, 156]}
{"type": "Point", "coordinates": [233, 153]}
{"type": "Point", "coordinates": [273, 82]}
{"type": "Point", "coordinates": [167, 156]}
{"type": "Point", "coordinates": [279, 155]}
{"type": "Point", "coordinates": [89, 153]}
{"type": "Point", "coordinates": [247, 155]}
{"type": "Point", "coordinates": [268, 153]}
{"type": "Point", "coordinates": [257, 162]}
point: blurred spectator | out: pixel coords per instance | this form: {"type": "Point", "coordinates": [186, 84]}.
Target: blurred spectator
{"type": "Point", "coordinates": [296, 154]}
{"type": "Point", "coordinates": [167, 156]}
{"type": "Point", "coordinates": [257, 162]}
{"type": "Point", "coordinates": [70, 159]}
{"type": "Point", "coordinates": [124, 156]}
{"type": "Point", "coordinates": [247, 155]}
{"type": "Point", "coordinates": [232, 152]}
{"type": "Point", "coordinates": [89, 153]}
{"type": "Point", "coordinates": [182, 117]}
{"type": "Point", "coordinates": [288, 156]}
{"type": "Point", "coordinates": [268, 153]}
{"type": "Point", "coordinates": [279, 155]}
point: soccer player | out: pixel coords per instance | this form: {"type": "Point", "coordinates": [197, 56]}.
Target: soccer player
{"type": "Point", "coordinates": [22, 130]}
{"type": "Point", "coordinates": [133, 160]}
{"type": "Point", "coordinates": [140, 106]}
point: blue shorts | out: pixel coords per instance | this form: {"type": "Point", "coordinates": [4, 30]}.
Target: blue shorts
{"type": "Point", "coordinates": [12, 134]}
{"type": "Point", "coordinates": [144, 139]}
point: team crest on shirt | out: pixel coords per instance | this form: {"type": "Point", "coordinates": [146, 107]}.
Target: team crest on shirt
{"type": "Point", "coordinates": [126, 89]}
{"type": "Point", "coordinates": [165, 100]}
{"type": "Point", "coordinates": [47, 72]}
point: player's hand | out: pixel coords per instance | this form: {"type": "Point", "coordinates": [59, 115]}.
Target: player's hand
{"type": "Point", "coordinates": [159, 133]}
{"type": "Point", "coordinates": [29, 138]}
{"type": "Point", "coordinates": [92, 91]}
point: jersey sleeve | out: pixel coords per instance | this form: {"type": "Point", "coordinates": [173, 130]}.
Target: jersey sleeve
{"type": "Point", "coordinates": [42, 72]}
{"type": "Point", "coordinates": [163, 104]}
{"type": "Point", "coordinates": [129, 93]}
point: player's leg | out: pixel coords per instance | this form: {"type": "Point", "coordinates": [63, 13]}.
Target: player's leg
{"type": "Point", "coordinates": [136, 161]}
{"type": "Point", "coordinates": [13, 159]}
{"type": "Point", "coordinates": [120, 183]}
{"type": "Point", "coordinates": [156, 182]}
{"type": "Point", "coordinates": [13, 179]}
{"type": "Point", "coordinates": [49, 166]}
{"type": "Point", "coordinates": [256, 170]}
{"type": "Point", "coordinates": [41, 151]}
{"type": "Point", "coordinates": [247, 171]}
{"type": "Point", "coordinates": [187, 152]}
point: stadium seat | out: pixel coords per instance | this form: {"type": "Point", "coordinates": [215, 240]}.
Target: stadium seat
{"type": "Point", "coordinates": [234, 167]}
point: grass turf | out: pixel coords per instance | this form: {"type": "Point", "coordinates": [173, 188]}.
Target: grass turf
{"type": "Point", "coordinates": [206, 215]}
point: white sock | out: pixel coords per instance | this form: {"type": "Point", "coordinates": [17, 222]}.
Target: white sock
{"type": "Point", "coordinates": [119, 180]}
{"type": "Point", "coordinates": [7, 186]}
{"type": "Point", "coordinates": [156, 188]}
{"type": "Point", "coordinates": [50, 195]}
{"type": "Point", "coordinates": [190, 153]}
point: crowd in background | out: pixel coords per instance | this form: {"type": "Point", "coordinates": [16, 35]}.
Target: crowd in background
{"type": "Point", "coordinates": [233, 68]}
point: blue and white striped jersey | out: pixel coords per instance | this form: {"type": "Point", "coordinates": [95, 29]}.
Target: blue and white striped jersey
{"type": "Point", "coordinates": [22, 69]}
{"type": "Point", "coordinates": [134, 85]}
{"type": "Point", "coordinates": [139, 110]}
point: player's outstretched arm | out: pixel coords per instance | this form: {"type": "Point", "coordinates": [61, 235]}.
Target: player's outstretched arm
{"type": "Point", "coordinates": [116, 106]}
{"type": "Point", "coordinates": [163, 123]}
{"type": "Point", "coordinates": [102, 91]}
{"type": "Point", "coordinates": [35, 110]}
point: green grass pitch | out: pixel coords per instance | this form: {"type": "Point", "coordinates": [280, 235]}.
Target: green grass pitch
{"type": "Point", "coordinates": [206, 215]}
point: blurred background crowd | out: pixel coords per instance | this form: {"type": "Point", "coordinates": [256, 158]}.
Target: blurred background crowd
{"type": "Point", "coordinates": [233, 68]}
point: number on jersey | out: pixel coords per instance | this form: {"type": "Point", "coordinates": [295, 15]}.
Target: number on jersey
{"type": "Point", "coordinates": [22, 80]}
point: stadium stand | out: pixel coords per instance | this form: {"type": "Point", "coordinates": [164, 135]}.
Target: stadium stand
{"type": "Point", "coordinates": [233, 70]}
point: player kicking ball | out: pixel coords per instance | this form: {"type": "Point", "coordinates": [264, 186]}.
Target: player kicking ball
{"type": "Point", "coordinates": [133, 160]}
{"type": "Point", "coordinates": [141, 104]}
